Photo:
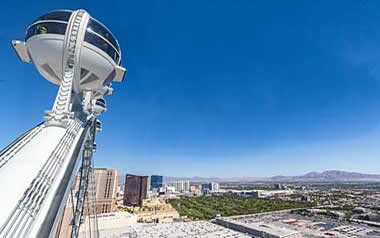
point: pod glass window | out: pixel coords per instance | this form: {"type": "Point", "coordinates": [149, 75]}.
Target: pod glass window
{"type": "Point", "coordinates": [103, 31]}
{"type": "Point", "coordinates": [46, 28]}
{"type": "Point", "coordinates": [100, 43]}
{"type": "Point", "coordinates": [61, 15]}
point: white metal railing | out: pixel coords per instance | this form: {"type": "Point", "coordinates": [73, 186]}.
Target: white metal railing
{"type": "Point", "coordinates": [21, 219]}
{"type": "Point", "coordinates": [10, 151]}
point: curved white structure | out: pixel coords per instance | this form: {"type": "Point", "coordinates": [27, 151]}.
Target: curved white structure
{"type": "Point", "coordinates": [80, 55]}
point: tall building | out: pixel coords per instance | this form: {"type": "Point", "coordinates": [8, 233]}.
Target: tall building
{"type": "Point", "coordinates": [207, 187]}
{"type": "Point", "coordinates": [180, 186]}
{"type": "Point", "coordinates": [280, 186]}
{"type": "Point", "coordinates": [214, 186]}
{"type": "Point", "coordinates": [156, 181]}
{"type": "Point", "coordinates": [104, 183]}
{"type": "Point", "coordinates": [136, 188]}
{"type": "Point", "coordinates": [148, 184]}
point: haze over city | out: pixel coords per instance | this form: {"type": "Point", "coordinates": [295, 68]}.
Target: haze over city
{"type": "Point", "coordinates": [223, 88]}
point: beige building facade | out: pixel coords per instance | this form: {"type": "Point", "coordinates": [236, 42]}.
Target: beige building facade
{"type": "Point", "coordinates": [104, 183]}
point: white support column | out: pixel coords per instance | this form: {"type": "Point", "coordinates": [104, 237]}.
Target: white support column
{"type": "Point", "coordinates": [74, 37]}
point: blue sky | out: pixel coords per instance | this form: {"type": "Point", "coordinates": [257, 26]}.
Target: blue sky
{"type": "Point", "coordinates": [222, 88]}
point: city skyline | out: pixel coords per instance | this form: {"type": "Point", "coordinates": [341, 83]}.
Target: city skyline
{"type": "Point", "coordinates": [225, 89]}
{"type": "Point", "coordinates": [329, 176]}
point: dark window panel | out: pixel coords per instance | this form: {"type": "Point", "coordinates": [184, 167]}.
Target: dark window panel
{"type": "Point", "coordinates": [102, 44]}
{"type": "Point", "coordinates": [63, 15]}
{"type": "Point", "coordinates": [83, 73]}
{"type": "Point", "coordinates": [46, 28]}
{"type": "Point", "coordinates": [103, 31]}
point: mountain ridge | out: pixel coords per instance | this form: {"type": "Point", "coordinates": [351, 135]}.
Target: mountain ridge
{"type": "Point", "coordinates": [325, 176]}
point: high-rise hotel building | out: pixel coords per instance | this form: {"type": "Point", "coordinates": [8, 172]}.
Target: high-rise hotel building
{"type": "Point", "coordinates": [136, 189]}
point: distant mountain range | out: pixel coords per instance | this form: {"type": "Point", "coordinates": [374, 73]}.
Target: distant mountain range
{"type": "Point", "coordinates": [326, 176]}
